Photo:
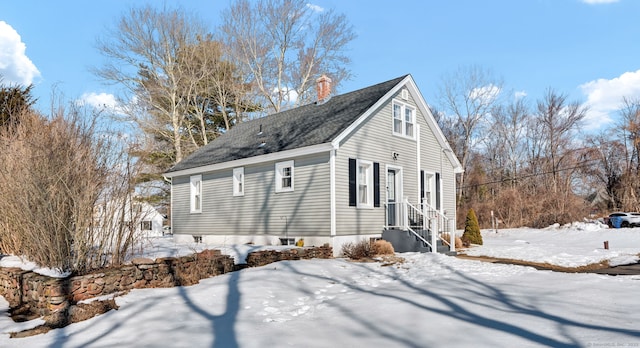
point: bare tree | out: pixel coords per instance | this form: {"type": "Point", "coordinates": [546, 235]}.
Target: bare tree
{"type": "Point", "coordinates": [142, 52]}
{"type": "Point", "coordinates": [509, 129]}
{"type": "Point", "coordinates": [284, 45]}
{"type": "Point", "coordinates": [467, 96]}
{"type": "Point", "coordinates": [215, 96]}
{"type": "Point", "coordinates": [560, 121]}
{"type": "Point", "coordinates": [608, 169]}
{"type": "Point", "coordinates": [629, 135]}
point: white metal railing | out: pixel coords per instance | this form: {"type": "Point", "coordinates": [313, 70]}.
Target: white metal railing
{"type": "Point", "coordinates": [446, 225]}
{"type": "Point", "coordinates": [406, 216]}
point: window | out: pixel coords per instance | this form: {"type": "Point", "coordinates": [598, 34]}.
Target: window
{"type": "Point", "coordinates": [238, 181]}
{"type": "Point", "coordinates": [364, 182]}
{"type": "Point", "coordinates": [397, 118]}
{"type": "Point", "coordinates": [145, 225]}
{"type": "Point", "coordinates": [196, 193]}
{"type": "Point", "coordinates": [284, 176]}
{"type": "Point", "coordinates": [404, 118]}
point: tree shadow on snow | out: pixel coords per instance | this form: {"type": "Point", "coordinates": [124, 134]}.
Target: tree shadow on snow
{"type": "Point", "coordinates": [465, 300]}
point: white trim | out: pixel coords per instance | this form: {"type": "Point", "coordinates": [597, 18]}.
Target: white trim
{"type": "Point", "coordinates": [195, 194]}
{"type": "Point", "coordinates": [302, 151]}
{"type": "Point", "coordinates": [332, 190]}
{"type": "Point", "coordinates": [404, 106]}
{"type": "Point", "coordinates": [369, 178]}
{"type": "Point", "coordinates": [280, 167]}
{"type": "Point", "coordinates": [431, 122]}
{"type": "Point", "coordinates": [238, 181]}
{"type": "Point", "coordinates": [355, 125]}
{"type": "Point", "coordinates": [399, 191]}
{"type": "Point", "coordinates": [171, 200]}
{"type": "Point", "coordinates": [430, 186]}
{"type": "Point", "coordinates": [418, 161]}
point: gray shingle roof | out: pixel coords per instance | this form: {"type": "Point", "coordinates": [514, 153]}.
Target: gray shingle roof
{"type": "Point", "coordinates": [306, 125]}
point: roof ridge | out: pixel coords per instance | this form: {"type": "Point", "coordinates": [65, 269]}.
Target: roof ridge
{"type": "Point", "coordinates": [305, 125]}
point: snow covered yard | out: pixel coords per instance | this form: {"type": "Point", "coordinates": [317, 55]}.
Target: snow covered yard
{"type": "Point", "coordinates": [427, 301]}
{"type": "Point", "coordinates": [574, 245]}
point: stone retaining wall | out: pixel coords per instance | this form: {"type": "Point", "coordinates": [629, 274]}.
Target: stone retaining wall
{"type": "Point", "coordinates": [265, 257]}
{"type": "Point", "coordinates": [44, 295]}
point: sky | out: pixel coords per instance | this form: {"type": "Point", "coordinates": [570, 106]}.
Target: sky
{"type": "Point", "coordinates": [428, 300]}
{"type": "Point", "coordinates": [586, 49]}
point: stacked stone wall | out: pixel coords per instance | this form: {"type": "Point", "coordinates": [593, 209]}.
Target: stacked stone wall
{"type": "Point", "coordinates": [44, 295]}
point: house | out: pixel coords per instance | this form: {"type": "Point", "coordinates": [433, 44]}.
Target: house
{"type": "Point", "coordinates": [371, 163]}
{"type": "Point", "coordinates": [141, 218]}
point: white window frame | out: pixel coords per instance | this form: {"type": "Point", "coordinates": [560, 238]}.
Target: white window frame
{"type": "Point", "coordinates": [280, 175]}
{"type": "Point", "coordinates": [402, 121]}
{"type": "Point", "coordinates": [195, 185]}
{"type": "Point", "coordinates": [238, 181]}
{"type": "Point", "coordinates": [430, 187]}
{"type": "Point", "coordinates": [368, 184]}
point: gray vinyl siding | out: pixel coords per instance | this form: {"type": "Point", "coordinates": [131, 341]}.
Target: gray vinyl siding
{"type": "Point", "coordinates": [374, 141]}
{"type": "Point", "coordinates": [261, 211]}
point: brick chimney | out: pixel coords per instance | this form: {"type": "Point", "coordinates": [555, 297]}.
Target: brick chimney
{"type": "Point", "coordinates": [323, 87]}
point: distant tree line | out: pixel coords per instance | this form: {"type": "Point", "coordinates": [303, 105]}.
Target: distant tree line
{"type": "Point", "coordinates": [530, 162]}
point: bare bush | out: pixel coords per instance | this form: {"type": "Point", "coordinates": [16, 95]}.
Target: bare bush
{"type": "Point", "coordinates": [357, 251]}
{"type": "Point", "coordinates": [55, 173]}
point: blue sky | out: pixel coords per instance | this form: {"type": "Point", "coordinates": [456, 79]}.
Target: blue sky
{"type": "Point", "coordinates": [588, 49]}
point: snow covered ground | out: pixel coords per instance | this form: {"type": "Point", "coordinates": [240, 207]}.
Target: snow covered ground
{"type": "Point", "coordinates": [427, 301]}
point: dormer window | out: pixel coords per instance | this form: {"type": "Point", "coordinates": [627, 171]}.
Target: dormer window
{"type": "Point", "coordinates": [404, 119]}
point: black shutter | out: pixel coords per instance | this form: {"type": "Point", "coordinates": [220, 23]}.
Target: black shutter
{"type": "Point", "coordinates": [438, 203]}
{"type": "Point", "coordinates": [376, 184]}
{"type": "Point", "coordinates": [352, 182]}
{"type": "Point", "coordinates": [422, 186]}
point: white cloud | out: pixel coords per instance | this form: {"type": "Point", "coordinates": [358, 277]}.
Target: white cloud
{"type": "Point", "coordinates": [15, 66]}
{"type": "Point", "coordinates": [597, 2]}
{"type": "Point", "coordinates": [519, 94]}
{"type": "Point", "coordinates": [315, 8]}
{"type": "Point", "coordinates": [102, 101]}
{"type": "Point", "coordinates": [604, 97]}
{"type": "Point", "coordinates": [485, 94]}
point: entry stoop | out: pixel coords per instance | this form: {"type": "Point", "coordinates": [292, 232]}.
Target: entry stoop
{"type": "Point", "coordinates": [404, 242]}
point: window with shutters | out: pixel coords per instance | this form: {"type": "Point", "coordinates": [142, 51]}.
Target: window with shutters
{"type": "Point", "coordinates": [364, 187]}
{"type": "Point", "coordinates": [364, 183]}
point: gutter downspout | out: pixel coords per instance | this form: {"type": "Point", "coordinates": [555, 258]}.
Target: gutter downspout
{"type": "Point", "coordinates": [332, 190]}
{"type": "Point", "coordinates": [170, 181]}
{"type": "Point", "coordinates": [418, 164]}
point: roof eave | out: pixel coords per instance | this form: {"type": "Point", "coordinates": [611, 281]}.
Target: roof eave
{"type": "Point", "coordinates": [276, 156]}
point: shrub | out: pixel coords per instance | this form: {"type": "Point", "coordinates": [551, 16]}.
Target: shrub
{"type": "Point", "coordinates": [471, 233]}
{"type": "Point", "coordinates": [447, 238]}
{"type": "Point", "coordinates": [382, 247]}
{"type": "Point", "coordinates": [357, 251]}
{"type": "Point", "coordinates": [55, 173]}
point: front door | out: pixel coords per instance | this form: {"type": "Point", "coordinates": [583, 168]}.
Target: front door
{"type": "Point", "coordinates": [392, 206]}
